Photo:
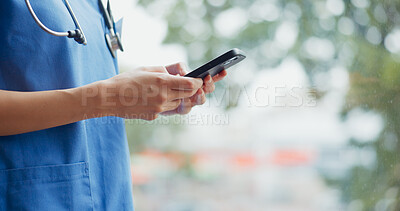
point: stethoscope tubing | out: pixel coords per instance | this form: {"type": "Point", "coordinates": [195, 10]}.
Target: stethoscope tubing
{"type": "Point", "coordinates": [113, 38]}
{"type": "Point", "coordinates": [71, 12]}
{"type": "Point", "coordinates": [55, 33]}
{"type": "Point", "coordinates": [107, 17]}
{"type": "Point", "coordinates": [41, 25]}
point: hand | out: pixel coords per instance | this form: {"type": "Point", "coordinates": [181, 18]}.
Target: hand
{"type": "Point", "coordinates": [144, 93]}
{"type": "Point", "coordinates": [199, 98]}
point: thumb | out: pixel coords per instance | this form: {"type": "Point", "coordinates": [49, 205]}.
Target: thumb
{"type": "Point", "coordinates": [177, 69]}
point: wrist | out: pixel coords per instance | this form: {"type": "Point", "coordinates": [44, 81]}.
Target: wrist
{"type": "Point", "coordinates": [90, 100]}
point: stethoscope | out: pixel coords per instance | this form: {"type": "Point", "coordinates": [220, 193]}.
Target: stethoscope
{"type": "Point", "coordinates": [113, 38]}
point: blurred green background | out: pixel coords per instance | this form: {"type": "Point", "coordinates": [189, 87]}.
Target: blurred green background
{"type": "Point", "coordinates": [336, 150]}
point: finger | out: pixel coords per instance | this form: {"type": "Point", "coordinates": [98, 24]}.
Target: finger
{"type": "Point", "coordinates": [185, 107]}
{"type": "Point", "coordinates": [208, 86]}
{"type": "Point", "coordinates": [178, 109]}
{"type": "Point", "coordinates": [184, 83]}
{"type": "Point", "coordinates": [178, 68]}
{"type": "Point", "coordinates": [220, 76]}
{"type": "Point", "coordinates": [199, 98]}
{"type": "Point", "coordinates": [168, 113]}
{"type": "Point", "coordinates": [209, 89]}
{"type": "Point", "coordinates": [172, 105]}
{"type": "Point", "coordinates": [180, 94]}
{"type": "Point", "coordinates": [208, 79]}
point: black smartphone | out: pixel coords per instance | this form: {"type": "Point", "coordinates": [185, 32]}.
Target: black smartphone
{"type": "Point", "coordinates": [218, 64]}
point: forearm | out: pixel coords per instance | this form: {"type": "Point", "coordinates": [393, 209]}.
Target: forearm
{"type": "Point", "coordinates": [22, 112]}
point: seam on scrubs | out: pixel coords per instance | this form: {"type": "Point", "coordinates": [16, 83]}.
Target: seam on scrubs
{"type": "Point", "coordinates": [51, 173]}
{"type": "Point", "coordinates": [51, 179]}
{"type": "Point", "coordinates": [84, 122]}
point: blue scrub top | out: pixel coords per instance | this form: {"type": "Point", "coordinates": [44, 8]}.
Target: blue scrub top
{"type": "Point", "coordinates": [79, 166]}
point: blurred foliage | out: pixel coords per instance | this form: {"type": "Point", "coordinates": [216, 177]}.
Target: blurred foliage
{"type": "Point", "coordinates": [375, 76]}
{"type": "Point", "coordinates": [357, 30]}
{"type": "Point", "coordinates": [197, 25]}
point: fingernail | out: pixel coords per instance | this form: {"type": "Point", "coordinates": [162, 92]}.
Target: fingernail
{"type": "Point", "coordinates": [198, 99]}
{"type": "Point", "coordinates": [180, 108]}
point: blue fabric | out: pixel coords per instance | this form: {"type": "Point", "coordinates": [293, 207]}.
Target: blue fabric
{"type": "Point", "coordinates": [80, 166]}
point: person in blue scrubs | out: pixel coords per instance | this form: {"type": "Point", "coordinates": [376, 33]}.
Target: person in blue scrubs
{"type": "Point", "coordinates": [62, 139]}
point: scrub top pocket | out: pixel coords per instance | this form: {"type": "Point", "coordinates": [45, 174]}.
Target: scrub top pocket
{"type": "Point", "coordinates": [55, 187]}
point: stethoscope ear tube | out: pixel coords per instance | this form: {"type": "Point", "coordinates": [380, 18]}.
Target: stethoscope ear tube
{"type": "Point", "coordinates": [80, 36]}
{"type": "Point", "coordinates": [113, 38]}
{"type": "Point", "coordinates": [77, 34]}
